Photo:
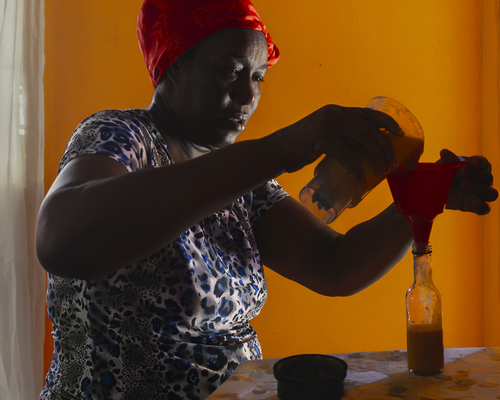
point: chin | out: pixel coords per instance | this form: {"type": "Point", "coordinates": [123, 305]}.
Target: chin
{"type": "Point", "coordinates": [227, 139]}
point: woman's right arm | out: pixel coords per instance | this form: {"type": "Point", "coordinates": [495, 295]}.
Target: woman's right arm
{"type": "Point", "coordinates": [98, 217]}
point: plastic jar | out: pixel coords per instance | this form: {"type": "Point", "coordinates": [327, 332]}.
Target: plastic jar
{"type": "Point", "coordinates": [333, 189]}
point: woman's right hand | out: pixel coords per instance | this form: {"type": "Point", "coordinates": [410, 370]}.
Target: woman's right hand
{"type": "Point", "coordinates": [346, 134]}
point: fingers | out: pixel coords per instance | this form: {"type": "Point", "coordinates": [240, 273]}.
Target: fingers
{"type": "Point", "coordinates": [362, 132]}
{"type": "Point", "coordinates": [376, 125]}
{"type": "Point", "coordinates": [476, 177]}
{"type": "Point", "coordinates": [356, 137]}
{"type": "Point", "coordinates": [470, 174]}
{"type": "Point", "coordinates": [476, 162]}
{"type": "Point", "coordinates": [448, 156]}
{"type": "Point", "coordinates": [380, 119]}
{"type": "Point", "coordinates": [468, 201]}
{"type": "Point", "coordinates": [480, 191]}
{"type": "Point", "coordinates": [472, 184]}
{"type": "Point", "coordinates": [480, 162]}
{"type": "Point", "coordinates": [473, 204]}
{"type": "Point", "coordinates": [480, 207]}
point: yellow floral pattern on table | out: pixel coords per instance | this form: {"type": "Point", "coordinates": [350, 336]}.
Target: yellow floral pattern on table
{"type": "Point", "coordinates": [469, 373]}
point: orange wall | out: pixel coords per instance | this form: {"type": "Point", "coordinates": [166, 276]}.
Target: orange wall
{"type": "Point", "coordinates": [426, 54]}
{"type": "Point", "coordinates": [491, 146]}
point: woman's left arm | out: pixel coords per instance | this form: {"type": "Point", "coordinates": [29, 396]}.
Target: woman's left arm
{"type": "Point", "coordinates": [297, 245]}
{"type": "Point", "coordinates": [300, 247]}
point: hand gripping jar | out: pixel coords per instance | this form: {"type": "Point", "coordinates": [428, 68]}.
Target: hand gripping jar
{"type": "Point", "coordinates": [333, 189]}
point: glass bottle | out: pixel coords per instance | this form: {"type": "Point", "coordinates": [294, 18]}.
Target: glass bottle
{"type": "Point", "coordinates": [424, 317]}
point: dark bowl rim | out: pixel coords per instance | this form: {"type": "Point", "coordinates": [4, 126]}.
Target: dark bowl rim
{"type": "Point", "coordinates": [334, 378]}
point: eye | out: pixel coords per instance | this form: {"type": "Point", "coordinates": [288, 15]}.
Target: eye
{"type": "Point", "coordinates": [259, 74]}
{"type": "Point", "coordinates": [229, 71]}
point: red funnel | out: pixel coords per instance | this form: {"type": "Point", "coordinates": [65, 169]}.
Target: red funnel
{"type": "Point", "coordinates": [420, 195]}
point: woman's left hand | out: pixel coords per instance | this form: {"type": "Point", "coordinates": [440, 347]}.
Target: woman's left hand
{"type": "Point", "coordinates": [471, 188]}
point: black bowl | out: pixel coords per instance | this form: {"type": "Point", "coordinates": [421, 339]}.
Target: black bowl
{"type": "Point", "coordinates": [310, 376]}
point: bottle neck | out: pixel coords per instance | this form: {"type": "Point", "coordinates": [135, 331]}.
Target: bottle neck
{"type": "Point", "coordinates": [421, 248]}
{"type": "Point", "coordinates": [422, 266]}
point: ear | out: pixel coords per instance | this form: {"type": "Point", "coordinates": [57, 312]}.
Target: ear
{"type": "Point", "coordinates": [173, 73]}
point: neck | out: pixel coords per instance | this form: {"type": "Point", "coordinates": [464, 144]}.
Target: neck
{"type": "Point", "coordinates": [180, 148]}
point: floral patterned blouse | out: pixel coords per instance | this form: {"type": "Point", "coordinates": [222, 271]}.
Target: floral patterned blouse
{"type": "Point", "coordinates": [174, 325]}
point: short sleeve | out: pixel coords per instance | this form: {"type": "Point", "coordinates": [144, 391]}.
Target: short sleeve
{"type": "Point", "coordinates": [120, 135]}
{"type": "Point", "coordinates": [263, 198]}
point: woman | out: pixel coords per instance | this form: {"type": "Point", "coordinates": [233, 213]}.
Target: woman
{"type": "Point", "coordinates": [155, 231]}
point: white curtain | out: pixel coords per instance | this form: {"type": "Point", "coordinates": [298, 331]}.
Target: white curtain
{"type": "Point", "coordinates": [22, 280]}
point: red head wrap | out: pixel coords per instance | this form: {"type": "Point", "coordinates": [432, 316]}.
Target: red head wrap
{"type": "Point", "coordinates": [167, 28]}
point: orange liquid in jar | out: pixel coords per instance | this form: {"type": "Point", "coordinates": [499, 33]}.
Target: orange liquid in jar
{"type": "Point", "coordinates": [425, 350]}
{"type": "Point", "coordinates": [405, 147]}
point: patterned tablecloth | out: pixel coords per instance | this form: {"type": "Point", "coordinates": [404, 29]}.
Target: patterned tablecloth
{"type": "Point", "coordinates": [469, 373]}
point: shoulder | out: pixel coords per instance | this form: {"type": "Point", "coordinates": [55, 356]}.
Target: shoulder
{"type": "Point", "coordinates": [120, 134]}
{"type": "Point", "coordinates": [131, 118]}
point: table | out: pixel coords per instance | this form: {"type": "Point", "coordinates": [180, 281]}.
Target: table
{"type": "Point", "coordinates": [469, 373]}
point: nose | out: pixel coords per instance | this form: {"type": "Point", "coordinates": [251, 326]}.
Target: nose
{"type": "Point", "coordinates": [245, 90]}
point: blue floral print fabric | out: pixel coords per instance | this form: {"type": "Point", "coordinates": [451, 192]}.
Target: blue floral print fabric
{"type": "Point", "coordinates": [174, 325]}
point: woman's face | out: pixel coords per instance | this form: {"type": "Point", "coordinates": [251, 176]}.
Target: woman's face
{"type": "Point", "coordinates": [215, 91]}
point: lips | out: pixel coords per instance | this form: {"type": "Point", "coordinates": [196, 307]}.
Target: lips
{"type": "Point", "coordinates": [241, 118]}
{"type": "Point", "coordinates": [238, 120]}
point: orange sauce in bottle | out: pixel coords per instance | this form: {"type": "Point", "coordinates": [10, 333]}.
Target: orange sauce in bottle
{"type": "Point", "coordinates": [425, 350]}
